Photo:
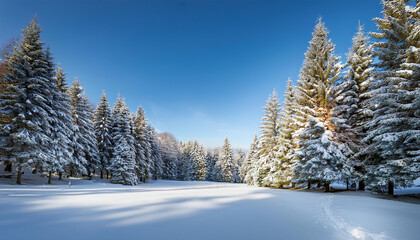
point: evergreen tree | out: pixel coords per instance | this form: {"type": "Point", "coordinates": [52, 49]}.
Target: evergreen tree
{"type": "Point", "coordinates": [281, 171]}
{"type": "Point", "coordinates": [170, 154]}
{"type": "Point", "coordinates": [142, 146]}
{"type": "Point", "coordinates": [123, 155]}
{"type": "Point", "coordinates": [238, 160]}
{"type": "Point", "coordinates": [61, 147]}
{"type": "Point", "coordinates": [199, 157]}
{"type": "Point", "coordinates": [25, 103]}
{"type": "Point", "coordinates": [393, 139]}
{"type": "Point", "coordinates": [156, 158]}
{"type": "Point", "coordinates": [269, 139]}
{"type": "Point", "coordinates": [211, 159]}
{"type": "Point", "coordinates": [224, 164]}
{"type": "Point", "coordinates": [102, 125]}
{"type": "Point", "coordinates": [315, 90]}
{"type": "Point", "coordinates": [249, 165]}
{"type": "Point", "coordinates": [85, 151]}
{"type": "Point", "coordinates": [351, 111]}
{"type": "Point", "coordinates": [320, 158]}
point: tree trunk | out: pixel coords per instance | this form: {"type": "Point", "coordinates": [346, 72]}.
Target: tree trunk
{"type": "Point", "coordinates": [327, 187]}
{"type": "Point", "coordinates": [391, 188]}
{"type": "Point", "coordinates": [19, 177]}
{"type": "Point", "coordinates": [49, 177]}
{"type": "Point", "coordinates": [107, 174]}
{"type": "Point", "coordinates": [361, 185]}
{"type": "Point", "coordinates": [8, 167]}
{"type": "Point", "coordinates": [60, 175]}
{"type": "Point", "coordinates": [347, 182]}
{"type": "Point", "coordinates": [293, 185]}
{"type": "Point", "coordinates": [309, 185]}
{"type": "Point", "coordinates": [102, 174]}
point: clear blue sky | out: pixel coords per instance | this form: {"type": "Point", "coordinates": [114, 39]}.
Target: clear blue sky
{"type": "Point", "coordinates": [201, 69]}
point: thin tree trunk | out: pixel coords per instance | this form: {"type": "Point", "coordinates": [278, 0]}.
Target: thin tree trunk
{"type": "Point", "coordinates": [327, 187]}
{"type": "Point", "coordinates": [107, 174]}
{"type": "Point", "coordinates": [60, 175]}
{"type": "Point", "coordinates": [102, 174]}
{"type": "Point", "coordinates": [293, 185]}
{"type": "Point", "coordinates": [49, 177]}
{"type": "Point", "coordinates": [361, 185]}
{"type": "Point", "coordinates": [19, 177]}
{"type": "Point", "coordinates": [309, 185]}
{"type": "Point", "coordinates": [391, 188]}
{"type": "Point", "coordinates": [347, 182]}
{"type": "Point", "coordinates": [8, 167]}
{"type": "Point", "coordinates": [281, 186]}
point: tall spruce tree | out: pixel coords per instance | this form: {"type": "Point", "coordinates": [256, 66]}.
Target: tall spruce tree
{"type": "Point", "coordinates": [25, 101]}
{"type": "Point", "coordinates": [393, 139]}
{"type": "Point", "coordinates": [351, 111]}
{"type": "Point", "coordinates": [103, 130]}
{"type": "Point", "coordinates": [123, 153]}
{"type": "Point", "coordinates": [315, 90]}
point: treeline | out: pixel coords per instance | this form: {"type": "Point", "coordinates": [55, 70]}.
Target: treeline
{"type": "Point", "coordinates": [357, 122]}
{"type": "Point", "coordinates": [47, 126]}
{"type": "Point", "coordinates": [190, 161]}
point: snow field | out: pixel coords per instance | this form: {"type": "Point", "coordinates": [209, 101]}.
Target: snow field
{"type": "Point", "coordinates": [198, 210]}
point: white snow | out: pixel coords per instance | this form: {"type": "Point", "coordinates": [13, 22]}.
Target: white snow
{"type": "Point", "coordinates": [197, 210]}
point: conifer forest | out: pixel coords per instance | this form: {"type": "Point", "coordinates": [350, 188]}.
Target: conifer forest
{"type": "Point", "coordinates": [336, 154]}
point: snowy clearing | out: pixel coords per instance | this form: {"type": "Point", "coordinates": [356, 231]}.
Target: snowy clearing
{"type": "Point", "coordinates": [198, 210]}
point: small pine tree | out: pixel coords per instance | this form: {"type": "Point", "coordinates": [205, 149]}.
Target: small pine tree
{"type": "Point", "coordinates": [238, 160]}
{"type": "Point", "coordinates": [224, 164]}
{"type": "Point", "coordinates": [170, 154]}
{"type": "Point", "coordinates": [249, 165]}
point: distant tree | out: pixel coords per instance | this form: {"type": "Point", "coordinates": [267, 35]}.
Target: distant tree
{"type": "Point", "coordinates": [224, 163]}
{"type": "Point", "coordinates": [103, 130]}
{"type": "Point", "coordinates": [238, 160]}
{"type": "Point", "coordinates": [142, 146]}
{"type": "Point", "coordinates": [123, 153]}
{"type": "Point", "coordinates": [250, 163]}
{"type": "Point", "coordinates": [170, 154]}
{"type": "Point", "coordinates": [85, 154]}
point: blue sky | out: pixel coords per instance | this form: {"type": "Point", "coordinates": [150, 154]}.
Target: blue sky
{"type": "Point", "coordinates": [202, 69]}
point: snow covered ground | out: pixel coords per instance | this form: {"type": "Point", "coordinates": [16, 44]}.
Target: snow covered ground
{"type": "Point", "coordinates": [197, 210]}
